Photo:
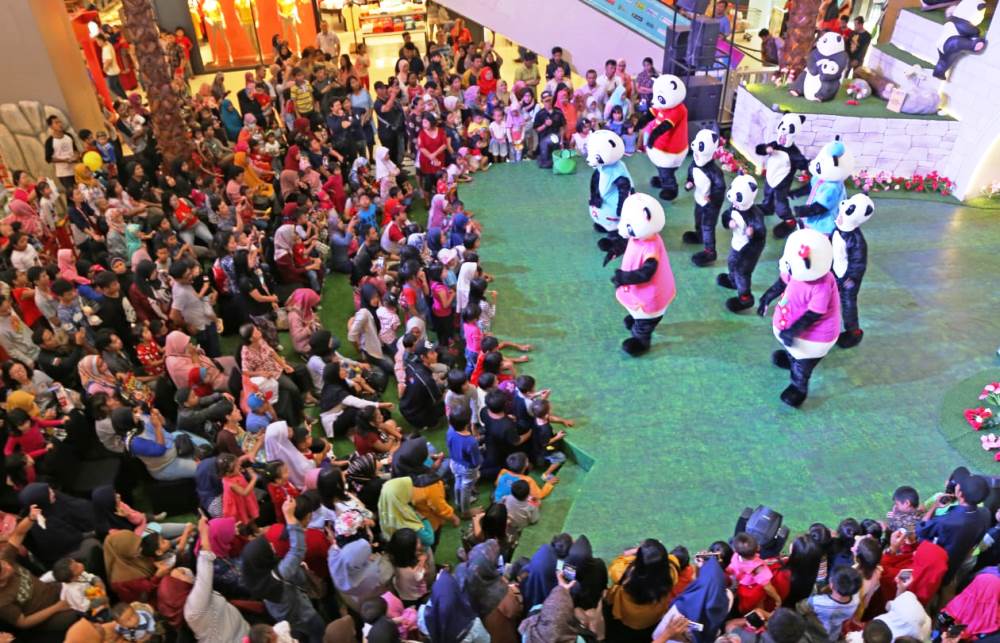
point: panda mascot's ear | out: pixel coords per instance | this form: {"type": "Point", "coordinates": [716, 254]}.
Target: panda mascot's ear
{"type": "Point", "coordinates": [752, 185]}
{"type": "Point", "coordinates": [804, 255]}
{"type": "Point", "coordinates": [649, 215]}
{"type": "Point", "coordinates": [715, 137]}
{"type": "Point", "coordinates": [802, 118]}
{"type": "Point", "coordinates": [611, 142]}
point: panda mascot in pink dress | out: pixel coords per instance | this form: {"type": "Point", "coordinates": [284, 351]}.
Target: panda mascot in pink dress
{"type": "Point", "coordinates": [806, 317]}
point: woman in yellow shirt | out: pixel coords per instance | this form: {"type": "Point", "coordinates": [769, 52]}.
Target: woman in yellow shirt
{"type": "Point", "coordinates": [644, 583]}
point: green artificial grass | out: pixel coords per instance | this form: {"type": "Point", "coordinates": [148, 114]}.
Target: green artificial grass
{"type": "Point", "coordinates": [686, 436]}
{"type": "Point", "coordinates": [983, 202]}
{"type": "Point", "coordinates": [868, 108]}
{"type": "Point", "coordinates": [901, 55]}
{"type": "Point", "coordinates": [965, 395]}
{"type": "Point", "coordinates": [934, 16]}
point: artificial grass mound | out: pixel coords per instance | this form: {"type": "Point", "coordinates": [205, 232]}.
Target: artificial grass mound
{"type": "Point", "coordinates": [902, 55]}
{"type": "Point", "coordinates": [870, 107]}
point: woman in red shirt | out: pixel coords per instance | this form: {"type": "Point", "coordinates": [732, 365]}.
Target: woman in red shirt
{"type": "Point", "coordinates": [460, 34]}
{"type": "Point", "coordinates": [433, 146]}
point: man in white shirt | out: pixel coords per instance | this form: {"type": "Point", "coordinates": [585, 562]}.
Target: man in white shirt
{"type": "Point", "coordinates": [327, 41]}
{"type": "Point", "coordinates": [60, 151]}
{"type": "Point", "coordinates": [609, 80]}
{"type": "Point", "coordinates": [592, 88]}
{"type": "Point", "coordinates": [109, 64]}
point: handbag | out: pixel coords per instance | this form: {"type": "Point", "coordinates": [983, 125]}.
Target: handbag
{"type": "Point", "coordinates": [184, 445]}
{"type": "Point", "coordinates": [281, 319]}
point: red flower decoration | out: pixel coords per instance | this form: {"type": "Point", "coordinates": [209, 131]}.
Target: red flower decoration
{"type": "Point", "coordinates": [977, 417]}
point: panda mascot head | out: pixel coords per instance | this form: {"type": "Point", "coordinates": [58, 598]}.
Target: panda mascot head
{"type": "Point", "coordinates": [642, 217]}
{"type": "Point", "coordinates": [973, 11]}
{"type": "Point", "coordinates": [788, 128]}
{"type": "Point", "coordinates": [833, 163]}
{"type": "Point", "coordinates": [808, 255]}
{"type": "Point", "coordinates": [829, 44]}
{"type": "Point", "coordinates": [604, 147]}
{"type": "Point", "coordinates": [703, 147]}
{"type": "Point", "coordinates": [854, 212]}
{"type": "Point", "coordinates": [742, 192]}
{"type": "Point", "coordinates": [668, 92]}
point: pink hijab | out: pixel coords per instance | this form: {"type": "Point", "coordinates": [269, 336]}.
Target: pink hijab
{"type": "Point", "coordinates": [179, 362]}
{"type": "Point", "coordinates": [978, 606]}
{"type": "Point", "coordinates": [22, 212]}
{"type": "Point", "coordinates": [435, 219]}
{"type": "Point", "coordinates": [67, 267]}
{"type": "Point", "coordinates": [305, 301]}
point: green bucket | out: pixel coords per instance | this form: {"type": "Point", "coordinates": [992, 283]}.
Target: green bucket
{"type": "Point", "coordinates": [564, 162]}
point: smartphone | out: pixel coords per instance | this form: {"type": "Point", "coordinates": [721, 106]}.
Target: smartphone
{"type": "Point", "coordinates": [40, 521]}
{"type": "Point", "coordinates": [946, 499]}
{"type": "Point", "coordinates": [569, 573]}
{"type": "Point", "coordinates": [956, 629]}
{"type": "Point", "coordinates": [754, 620]}
{"type": "Point", "coordinates": [695, 627]}
{"type": "Point", "coordinates": [905, 575]}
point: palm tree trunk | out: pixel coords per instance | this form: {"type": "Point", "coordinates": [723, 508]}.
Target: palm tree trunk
{"type": "Point", "coordinates": [801, 33]}
{"type": "Point", "coordinates": [165, 102]}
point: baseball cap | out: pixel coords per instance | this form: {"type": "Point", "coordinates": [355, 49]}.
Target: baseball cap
{"type": "Point", "coordinates": [974, 488]}
{"type": "Point", "coordinates": [423, 348]}
{"type": "Point", "coordinates": [546, 94]}
{"type": "Point", "coordinates": [255, 401]}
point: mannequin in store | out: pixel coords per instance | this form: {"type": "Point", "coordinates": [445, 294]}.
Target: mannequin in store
{"type": "Point", "coordinates": [195, 10]}
{"type": "Point", "coordinates": [215, 25]}
{"type": "Point", "coordinates": [288, 18]}
{"type": "Point", "coordinates": [246, 14]}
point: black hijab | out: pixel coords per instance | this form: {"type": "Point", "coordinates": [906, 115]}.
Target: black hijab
{"type": "Point", "coordinates": [410, 460]}
{"type": "Point", "coordinates": [144, 279]}
{"type": "Point", "coordinates": [334, 389]}
{"type": "Point", "coordinates": [105, 519]}
{"type": "Point", "coordinates": [367, 292]}
{"type": "Point", "coordinates": [260, 571]}
{"type": "Point", "coordinates": [67, 520]}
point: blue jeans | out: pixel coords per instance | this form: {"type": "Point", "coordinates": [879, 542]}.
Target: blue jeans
{"type": "Point", "coordinates": [180, 468]}
{"type": "Point", "coordinates": [470, 362]}
{"type": "Point", "coordinates": [465, 484]}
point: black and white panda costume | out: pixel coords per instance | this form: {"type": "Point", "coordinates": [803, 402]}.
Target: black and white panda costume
{"type": "Point", "coordinates": [850, 261]}
{"type": "Point", "coordinates": [825, 66]}
{"type": "Point", "coordinates": [959, 35]}
{"type": "Point", "coordinates": [782, 162]}
{"type": "Point", "coordinates": [746, 221]}
{"type": "Point", "coordinates": [709, 184]}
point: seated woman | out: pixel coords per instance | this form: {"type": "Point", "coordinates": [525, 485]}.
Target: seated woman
{"type": "Point", "coordinates": [257, 185]}
{"type": "Point", "coordinates": [226, 545]}
{"type": "Point", "coordinates": [975, 607]}
{"type": "Point", "coordinates": [410, 460]}
{"type": "Point", "coordinates": [288, 272]}
{"type": "Point", "coordinates": [68, 528]}
{"type": "Point", "coordinates": [643, 583]}
{"type": "Point", "coordinates": [364, 330]}
{"type": "Point", "coordinates": [131, 575]}
{"type": "Point", "coordinates": [181, 355]}
{"type": "Point", "coordinates": [339, 402]}
{"type": "Point", "coordinates": [264, 367]}
{"type": "Point", "coordinates": [278, 445]}
{"type": "Point", "coordinates": [146, 438]}
{"type": "Point", "coordinates": [374, 434]}
{"type": "Point", "coordinates": [44, 391]}
{"type": "Point", "coordinates": [357, 573]}
{"type": "Point", "coordinates": [302, 318]}
{"type": "Point", "coordinates": [396, 511]}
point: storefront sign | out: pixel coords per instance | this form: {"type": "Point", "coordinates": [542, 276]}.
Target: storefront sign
{"type": "Point", "coordinates": [648, 17]}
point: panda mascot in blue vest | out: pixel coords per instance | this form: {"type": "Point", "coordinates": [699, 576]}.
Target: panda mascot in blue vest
{"type": "Point", "coordinates": [959, 35]}
{"type": "Point", "coordinates": [806, 320]}
{"type": "Point", "coordinates": [746, 221]}
{"type": "Point", "coordinates": [782, 162]}
{"type": "Point", "coordinates": [850, 261]}
{"type": "Point", "coordinates": [829, 169]}
{"type": "Point", "coordinates": [610, 184]}
{"type": "Point", "coordinates": [709, 184]}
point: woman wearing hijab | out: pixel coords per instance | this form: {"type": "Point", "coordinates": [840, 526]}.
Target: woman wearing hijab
{"type": "Point", "coordinates": [208, 486]}
{"type": "Point", "coordinates": [338, 404]}
{"type": "Point", "coordinates": [363, 480]}
{"type": "Point", "coordinates": [231, 120]}
{"type": "Point", "coordinates": [130, 575]}
{"type": "Point", "coordinates": [285, 238]}
{"type": "Point", "coordinates": [429, 493]}
{"type": "Point", "coordinates": [68, 522]}
{"type": "Point", "coordinates": [436, 216]}
{"type": "Point", "coordinates": [496, 602]}
{"type": "Point", "coordinates": [358, 574]}
{"type": "Point", "coordinates": [96, 377]}
{"type": "Point", "coordinates": [22, 212]}
{"type": "Point", "coordinates": [395, 511]}
{"type": "Point", "coordinates": [241, 159]}
{"type": "Point", "coordinates": [180, 356]}
{"type": "Point", "coordinates": [302, 318]}
{"type": "Point", "coordinates": [186, 598]}
{"type": "Point", "coordinates": [449, 617]}
{"type": "Point", "coordinates": [365, 327]}
{"type": "Point", "coordinates": [227, 572]}
{"type": "Point", "coordinates": [278, 446]}
{"type": "Point", "coordinates": [146, 294]}
{"type": "Point", "coordinates": [706, 600]}
{"type": "Point", "coordinates": [554, 622]}
{"type": "Point", "coordinates": [289, 180]}
{"type": "Point", "coordinates": [111, 515]}
{"type": "Point", "coordinates": [281, 583]}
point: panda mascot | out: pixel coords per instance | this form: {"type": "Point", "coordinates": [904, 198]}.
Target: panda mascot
{"type": "Point", "coordinates": [782, 161]}
{"type": "Point", "coordinates": [667, 133]}
{"type": "Point", "coordinates": [850, 260]}
{"type": "Point", "coordinates": [959, 35]}
{"type": "Point", "coordinates": [825, 66]}
{"type": "Point", "coordinates": [610, 183]}
{"type": "Point", "coordinates": [644, 282]}
{"type": "Point", "coordinates": [831, 167]}
{"type": "Point", "coordinates": [746, 221]}
{"type": "Point", "coordinates": [807, 315]}
{"type": "Point", "coordinates": [709, 185]}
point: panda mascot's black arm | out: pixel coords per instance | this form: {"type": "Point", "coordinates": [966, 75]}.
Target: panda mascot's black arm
{"type": "Point", "coordinates": [796, 158]}
{"type": "Point", "coordinates": [800, 325]}
{"type": "Point", "coordinates": [717, 191]}
{"type": "Point", "coordinates": [772, 293]}
{"type": "Point", "coordinates": [811, 210]}
{"type": "Point", "coordinates": [640, 275]}
{"type": "Point", "coordinates": [624, 189]}
{"type": "Point", "coordinates": [857, 254]}
{"type": "Point", "coordinates": [595, 195]}
{"type": "Point", "coordinates": [727, 216]}
{"type": "Point", "coordinates": [660, 130]}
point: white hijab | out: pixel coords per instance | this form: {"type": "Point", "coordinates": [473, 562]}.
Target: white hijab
{"type": "Point", "coordinates": [277, 446]}
{"type": "Point", "coordinates": [284, 239]}
{"type": "Point", "coordinates": [465, 276]}
{"type": "Point", "coordinates": [383, 164]}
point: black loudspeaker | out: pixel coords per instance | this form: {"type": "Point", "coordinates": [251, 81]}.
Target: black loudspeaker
{"type": "Point", "coordinates": [675, 51]}
{"type": "Point", "coordinates": [764, 524]}
{"type": "Point", "coordinates": [696, 126]}
{"type": "Point", "coordinates": [704, 95]}
{"type": "Point", "coordinates": [693, 6]}
{"type": "Point", "coordinates": [701, 43]}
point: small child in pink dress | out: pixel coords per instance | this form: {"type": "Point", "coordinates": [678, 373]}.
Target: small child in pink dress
{"type": "Point", "coordinates": [238, 499]}
{"type": "Point", "coordinates": [750, 572]}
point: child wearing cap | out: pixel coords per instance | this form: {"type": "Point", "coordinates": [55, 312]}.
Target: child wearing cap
{"type": "Point", "coordinates": [261, 413]}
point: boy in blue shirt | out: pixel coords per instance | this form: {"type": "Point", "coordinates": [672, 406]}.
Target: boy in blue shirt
{"type": "Point", "coordinates": [466, 458]}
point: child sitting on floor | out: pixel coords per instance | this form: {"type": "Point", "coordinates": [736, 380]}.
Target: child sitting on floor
{"type": "Point", "coordinates": [281, 489]}
{"type": "Point", "coordinates": [547, 441]}
{"type": "Point", "coordinates": [79, 586]}
{"type": "Point", "coordinates": [518, 466]}
{"type": "Point", "coordinates": [522, 509]}
{"type": "Point", "coordinates": [750, 573]}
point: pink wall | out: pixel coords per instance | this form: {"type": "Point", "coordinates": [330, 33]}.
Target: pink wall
{"type": "Point", "coordinates": [587, 37]}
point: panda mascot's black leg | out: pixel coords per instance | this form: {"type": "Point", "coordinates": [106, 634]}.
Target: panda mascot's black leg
{"type": "Point", "coordinates": [801, 370]}
{"type": "Point", "coordinates": [709, 219]}
{"type": "Point", "coordinates": [951, 50]}
{"type": "Point", "coordinates": [694, 236]}
{"type": "Point", "coordinates": [725, 280]}
{"type": "Point", "coordinates": [852, 334]}
{"type": "Point", "coordinates": [784, 228]}
{"type": "Point", "coordinates": [781, 359]}
{"type": "Point", "coordinates": [740, 273]}
{"type": "Point", "coordinates": [642, 335]}
{"type": "Point", "coordinates": [668, 183]}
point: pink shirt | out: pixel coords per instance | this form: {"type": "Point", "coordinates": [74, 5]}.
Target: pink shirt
{"type": "Point", "coordinates": [819, 296]}
{"type": "Point", "coordinates": [749, 572]}
{"type": "Point", "coordinates": [438, 289]}
{"type": "Point", "coordinates": [473, 336]}
{"type": "Point", "coordinates": [657, 293]}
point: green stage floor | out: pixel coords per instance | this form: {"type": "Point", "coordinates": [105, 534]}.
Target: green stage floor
{"type": "Point", "coordinates": [686, 436]}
